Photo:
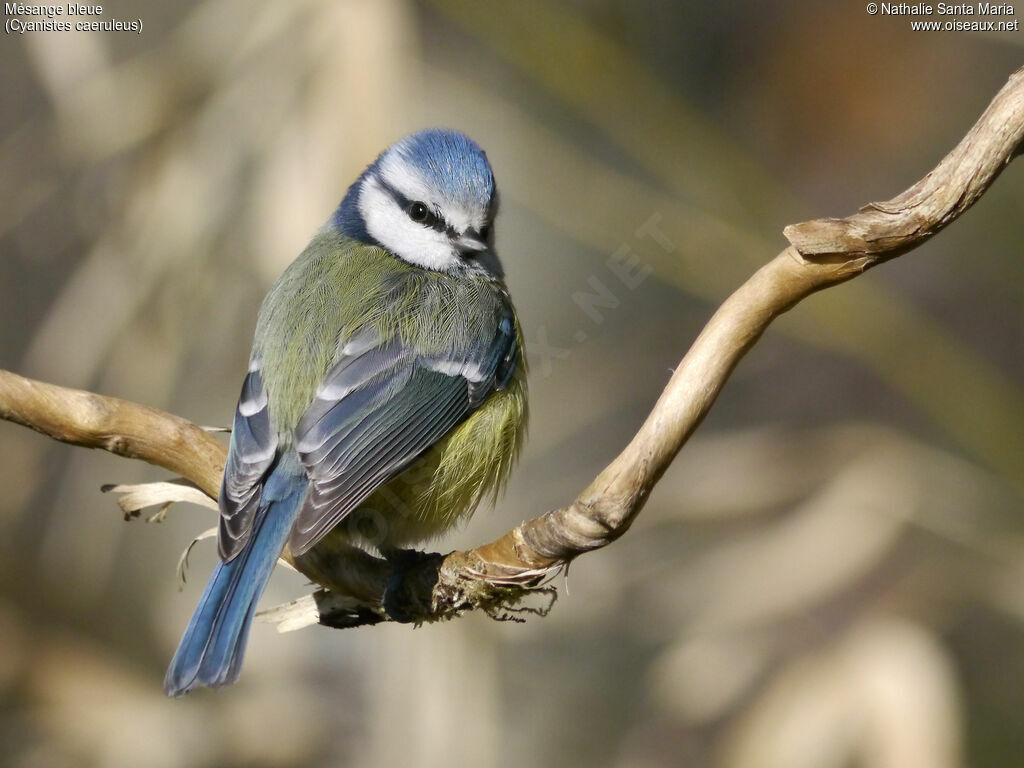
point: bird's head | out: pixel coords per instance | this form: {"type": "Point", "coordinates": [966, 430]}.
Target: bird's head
{"type": "Point", "coordinates": [429, 199]}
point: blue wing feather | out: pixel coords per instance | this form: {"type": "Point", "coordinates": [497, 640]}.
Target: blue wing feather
{"type": "Point", "coordinates": [377, 410]}
{"type": "Point", "coordinates": [411, 427]}
{"type": "Point", "coordinates": [375, 414]}
{"type": "Point", "coordinates": [250, 456]}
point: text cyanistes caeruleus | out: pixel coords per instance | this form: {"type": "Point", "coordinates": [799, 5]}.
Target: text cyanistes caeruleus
{"type": "Point", "coordinates": [390, 345]}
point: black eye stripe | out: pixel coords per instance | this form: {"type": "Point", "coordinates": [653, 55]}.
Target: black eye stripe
{"type": "Point", "coordinates": [431, 220]}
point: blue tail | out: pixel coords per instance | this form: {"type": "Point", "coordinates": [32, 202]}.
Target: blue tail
{"type": "Point", "coordinates": [211, 651]}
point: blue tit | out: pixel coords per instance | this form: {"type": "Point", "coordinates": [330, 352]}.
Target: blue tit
{"type": "Point", "coordinates": [389, 346]}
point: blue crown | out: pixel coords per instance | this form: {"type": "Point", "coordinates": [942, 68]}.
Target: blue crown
{"type": "Point", "coordinates": [452, 163]}
{"type": "Point", "coordinates": [449, 161]}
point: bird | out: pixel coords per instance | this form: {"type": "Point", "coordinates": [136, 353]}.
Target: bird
{"type": "Point", "coordinates": [385, 395]}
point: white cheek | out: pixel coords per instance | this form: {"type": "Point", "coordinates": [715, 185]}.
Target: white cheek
{"type": "Point", "coordinates": [391, 227]}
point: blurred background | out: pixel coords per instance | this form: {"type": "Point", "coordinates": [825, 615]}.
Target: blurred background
{"type": "Point", "coordinates": [831, 574]}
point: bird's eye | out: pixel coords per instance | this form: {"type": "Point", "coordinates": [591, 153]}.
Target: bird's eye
{"type": "Point", "coordinates": [418, 211]}
{"type": "Point", "coordinates": [485, 232]}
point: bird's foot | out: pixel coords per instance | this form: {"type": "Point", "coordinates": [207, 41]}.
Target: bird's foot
{"type": "Point", "coordinates": [408, 593]}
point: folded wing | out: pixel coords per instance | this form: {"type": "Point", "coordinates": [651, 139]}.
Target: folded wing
{"type": "Point", "coordinates": [379, 408]}
{"type": "Point", "coordinates": [250, 457]}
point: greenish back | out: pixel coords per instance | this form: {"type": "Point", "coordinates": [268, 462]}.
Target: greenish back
{"type": "Point", "coordinates": [336, 287]}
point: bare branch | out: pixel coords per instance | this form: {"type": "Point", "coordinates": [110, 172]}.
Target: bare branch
{"type": "Point", "coordinates": [119, 426]}
{"type": "Point", "coordinates": [881, 231]}
{"type": "Point", "coordinates": [823, 253]}
{"type": "Point", "coordinates": [493, 577]}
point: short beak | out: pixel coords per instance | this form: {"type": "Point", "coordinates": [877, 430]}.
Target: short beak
{"type": "Point", "coordinates": [471, 242]}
